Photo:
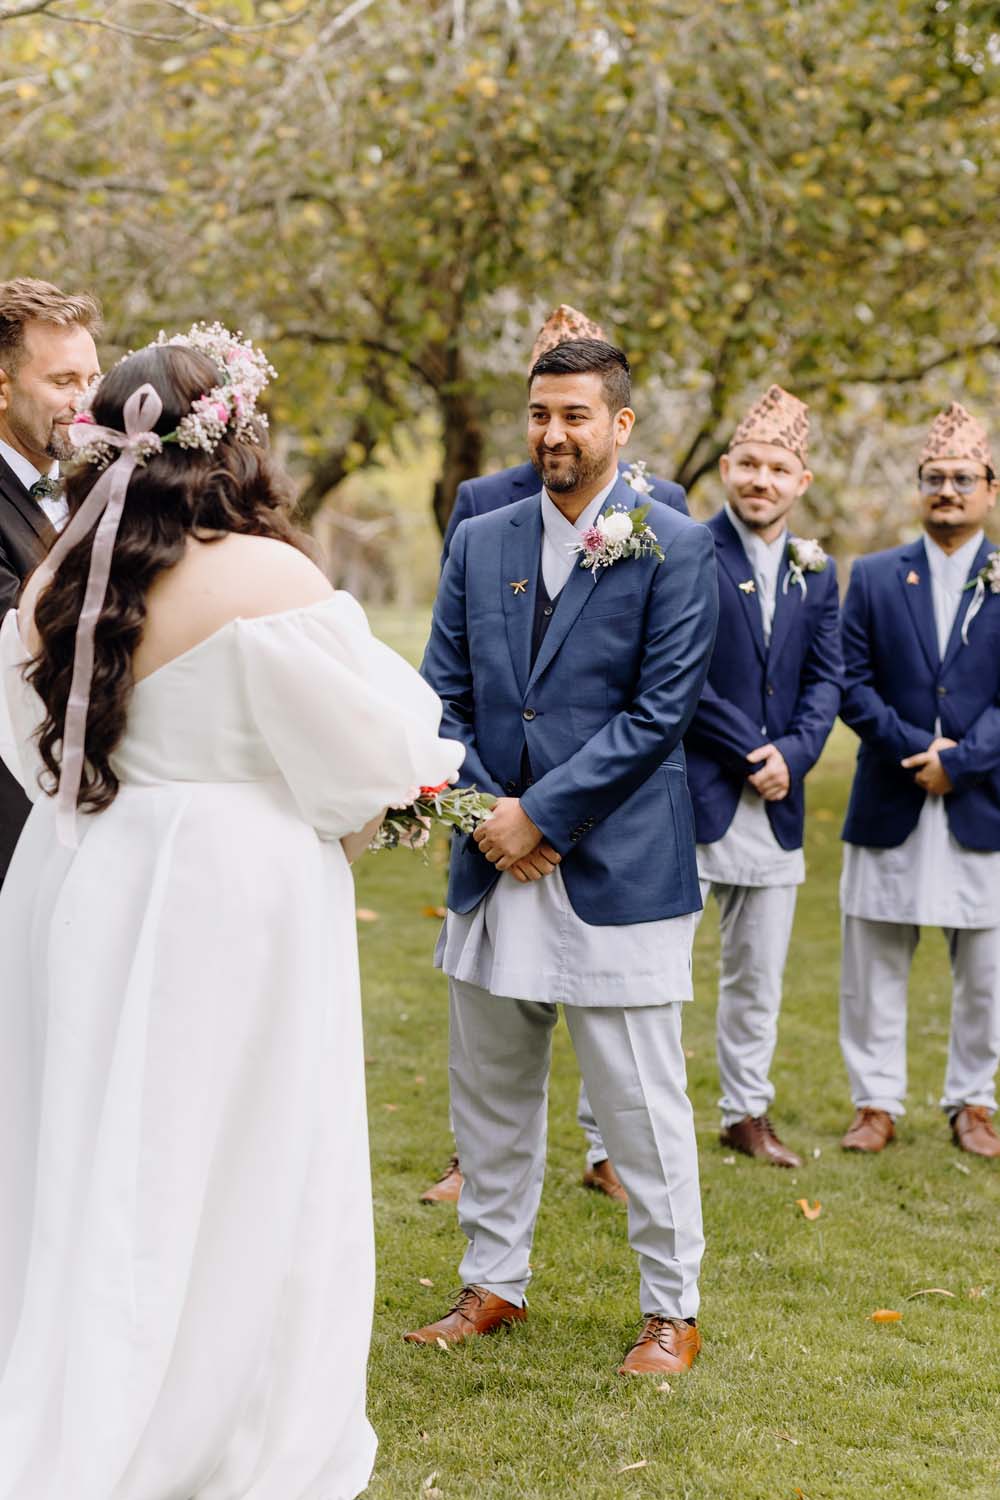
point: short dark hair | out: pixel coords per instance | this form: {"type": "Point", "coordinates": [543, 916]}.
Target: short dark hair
{"type": "Point", "coordinates": [586, 357]}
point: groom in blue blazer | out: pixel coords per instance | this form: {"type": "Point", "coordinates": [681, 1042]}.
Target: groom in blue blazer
{"type": "Point", "coordinates": [477, 497]}
{"type": "Point", "coordinates": [571, 687]}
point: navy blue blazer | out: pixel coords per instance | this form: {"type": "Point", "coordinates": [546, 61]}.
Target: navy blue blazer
{"type": "Point", "coordinates": [896, 686]}
{"type": "Point", "coordinates": [601, 712]}
{"type": "Point", "coordinates": [476, 497]}
{"type": "Point", "coordinates": [786, 694]}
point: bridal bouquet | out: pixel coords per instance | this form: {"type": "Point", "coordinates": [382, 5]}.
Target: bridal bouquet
{"type": "Point", "coordinates": [408, 826]}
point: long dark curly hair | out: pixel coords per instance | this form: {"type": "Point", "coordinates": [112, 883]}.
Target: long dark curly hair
{"type": "Point", "coordinates": [179, 493]}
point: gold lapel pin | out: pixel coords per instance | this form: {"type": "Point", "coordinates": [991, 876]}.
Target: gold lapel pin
{"type": "Point", "coordinates": [749, 587]}
{"type": "Point", "coordinates": [518, 587]}
{"type": "Point", "coordinates": [912, 577]}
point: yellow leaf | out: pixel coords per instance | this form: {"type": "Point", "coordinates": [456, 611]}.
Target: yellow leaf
{"type": "Point", "coordinates": [365, 914]}
{"type": "Point", "coordinates": [807, 1212]}
{"type": "Point", "coordinates": [442, 1343]}
{"type": "Point", "coordinates": [426, 1281]}
{"type": "Point", "coordinates": [627, 1468]}
{"type": "Point", "coordinates": [886, 1315]}
{"type": "Point", "coordinates": [929, 1291]}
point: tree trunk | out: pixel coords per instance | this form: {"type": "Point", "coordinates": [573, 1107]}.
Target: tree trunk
{"type": "Point", "coordinates": [463, 445]}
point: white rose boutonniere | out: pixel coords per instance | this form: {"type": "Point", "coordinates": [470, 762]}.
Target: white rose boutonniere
{"type": "Point", "coordinates": [986, 581]}
{"type": "Point", "coordinates": [636, 477]}
{"type": "Point", "coordinates": [804, 556]}
{"type": "Point", "coordinates": [617, 533]}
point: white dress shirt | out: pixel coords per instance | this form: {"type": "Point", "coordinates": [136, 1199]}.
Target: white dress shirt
{"type": "Point", "coordinates": [525, 941]}
{"type": "Point", "coordinates": [53, 506]}
{"type": "Point", "coordinates": [929, 880]}
{"type": "Point", "coordinates": [748, 852]}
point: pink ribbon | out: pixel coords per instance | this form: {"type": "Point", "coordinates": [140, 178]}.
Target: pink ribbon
{"type": "Point", "coordinates": [103, 505]}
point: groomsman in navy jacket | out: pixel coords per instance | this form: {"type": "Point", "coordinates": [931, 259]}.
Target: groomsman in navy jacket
{"type": "Point", "coordinates": [488, 492]}
{"type": "Point", "coordinates": [921, 630]}
{"type": "Point", "coordinates": [769, 704]}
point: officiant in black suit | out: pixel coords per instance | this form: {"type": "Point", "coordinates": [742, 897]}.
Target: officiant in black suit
{"type": "Point", "coordinates": [47, 360]}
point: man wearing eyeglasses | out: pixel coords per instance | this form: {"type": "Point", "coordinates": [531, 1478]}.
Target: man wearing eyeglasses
{"type": "Point", "coordinates": [921, 633]}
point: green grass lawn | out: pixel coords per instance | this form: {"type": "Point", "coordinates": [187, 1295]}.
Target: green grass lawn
{"type": "Point", "coordinates": [796, 1393]}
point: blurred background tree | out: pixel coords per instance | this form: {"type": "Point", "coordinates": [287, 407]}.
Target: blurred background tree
{"type": "Point", "coordinates": [391, 195]}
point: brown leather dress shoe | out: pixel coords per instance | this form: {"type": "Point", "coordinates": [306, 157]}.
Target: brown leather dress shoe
{"type": "Point", "coordinates": [666, 1346]}
{"type": "Point", "coordinates": [476, 1311]}
{"type": "Point", "coordinates": [448, 1185]}
{"type": "Point", "coordinates": [754, 1135]}
{"type": "Point", "coordinates": [870, 1130]}
{"type": "Point", "coordinates": [972, 1129]}
{"type": "Point", "coordinates": [604, 1179]}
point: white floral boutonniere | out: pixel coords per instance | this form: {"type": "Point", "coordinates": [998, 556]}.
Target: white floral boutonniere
{"type": "Point", "coordinates": [617, 533]}
{"type": "Point", "coordinates": [636, 477]}
{"type": "Point", "coordinates": [804, 556]}
{"type": "Point", "coordinates": [986, 581]}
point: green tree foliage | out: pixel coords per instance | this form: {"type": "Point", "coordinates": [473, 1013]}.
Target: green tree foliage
{"type": "Point", "coordinates": [391, 194]}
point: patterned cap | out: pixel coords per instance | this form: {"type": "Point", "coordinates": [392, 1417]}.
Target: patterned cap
{"type": "Point", "coordinates": [560, 326]}
{"type": "Point", "coordinates": [779, 418]}
{"type": "Point", "coordinates": [955, 433]}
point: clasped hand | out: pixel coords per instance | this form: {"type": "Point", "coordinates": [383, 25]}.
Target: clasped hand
{"type": "Point", "coordinates": [511, 841]}
{"type": "Point", "coordinates": [931, 774]}
{"type": "Point", "coordinates": [773, 778]}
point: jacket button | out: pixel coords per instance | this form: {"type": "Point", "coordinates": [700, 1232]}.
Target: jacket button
{"type": "Point", "coordinates": [942, 692]}
{"type": "Point", "coordinates": [529, 714]}
{"type": "Point", "coordinates": [770, 690]}
{"type": "Point", "coordinates": [547, 610]}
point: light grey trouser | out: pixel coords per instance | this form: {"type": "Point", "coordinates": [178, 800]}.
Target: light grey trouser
{"type": "Point", "coordinates": [874, 975]}
{"type": "Point", "coordinates": [633, 1064]}
{"type": "Point", "coordinates": [755, 928]}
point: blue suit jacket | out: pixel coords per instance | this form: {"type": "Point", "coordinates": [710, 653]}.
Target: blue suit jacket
{"type": "Point", "coordinates": [476, 497]}
{"type": "Point", "coordinates": [897, 685]}
{"type": "Point", "coordinates": [602, 710]}
{"type": "Point", "coordinates": [786, 694]}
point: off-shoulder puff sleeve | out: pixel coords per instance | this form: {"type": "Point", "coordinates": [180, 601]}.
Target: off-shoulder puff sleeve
{"type": "Point", "coordinates": [352, 727]}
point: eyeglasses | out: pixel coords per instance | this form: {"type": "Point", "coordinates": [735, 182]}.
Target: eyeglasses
{"type": "Point", "coordinates": [933, 482]}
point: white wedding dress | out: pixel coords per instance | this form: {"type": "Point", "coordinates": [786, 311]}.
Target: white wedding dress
{"type": "Point", "coordinates": [186, 1255]}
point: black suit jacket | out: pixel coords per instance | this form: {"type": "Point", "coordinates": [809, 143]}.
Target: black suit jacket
{"type": "Point", "coordinates": [25, 536]}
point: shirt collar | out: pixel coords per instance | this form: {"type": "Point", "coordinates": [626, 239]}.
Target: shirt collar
{"type": "Point", "coordinates": [557, 528]}
{"type": "Point", "coordinates": [948, 566]}
{"type": "Point", "coordinates": [752, 540]}
{"type": "Point", "coordinates": [23, 467]}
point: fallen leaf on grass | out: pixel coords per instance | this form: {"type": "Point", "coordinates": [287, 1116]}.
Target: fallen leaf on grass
{"type": "Point", "coordinates": [426, 1281]}
{"type": "Point", "coordinates": [929, 1291]}
{"type": "Point", "coordinates": [365, 914]}
{"type": "Point", "coordinates": [729, 1161]}
{"type": "Point", "coordinates": [961, 1167]}
{"type": "Point", "coordinates": [976, 1291]}
{"type": "Point", "coordinates": [807, 1212]}
{"type": "Point", "coordinates": [817, 1153]}
{"type": "Point", "coordinates": [392, 1108]}
{"type": "Point", "coordinates": [690, 1052]}
{"type": "Point", "coordinates": [786, 1437]}
{"type": "Point", "coordinates": [665, 1387]}
{"type": "Point", "coordinates": [435, 911]}
{"type": "Point", "coordinates": [886, 1315]}
{"type": "Point", "coordinates": [425, 1437]}
{"type": "Point", "coordinates": [642, 1464]}
{"type": "Point", "coordinates": [429, 1487]}
{"type": "Point", "coordinates": [420, 1078]}
{"type": "Point", "coordinates": [443, 1343]}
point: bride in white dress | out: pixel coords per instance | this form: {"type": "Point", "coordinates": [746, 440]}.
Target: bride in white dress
{"type": "Point", "coordinates": [186, 1255]}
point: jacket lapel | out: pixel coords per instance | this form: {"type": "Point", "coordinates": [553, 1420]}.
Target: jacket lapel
{"type": "Point", "coordinates": [578, 588]}
{"type": "Point", "coordinates": [788, 604]}
{"type": "Point", "coordinates": [955, 639]}
{"type": "Point", "coordinates": [731, 555]}
{"type": "Point", "coordinates": [13, 490]}
{"type": "Point", "coordinates": [520, 556]}
{"type": "Point", "coordinates": [915, 581]}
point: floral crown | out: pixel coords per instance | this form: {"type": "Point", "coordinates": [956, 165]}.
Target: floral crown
{"type": "Point", "coordinates": [230, 406]}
